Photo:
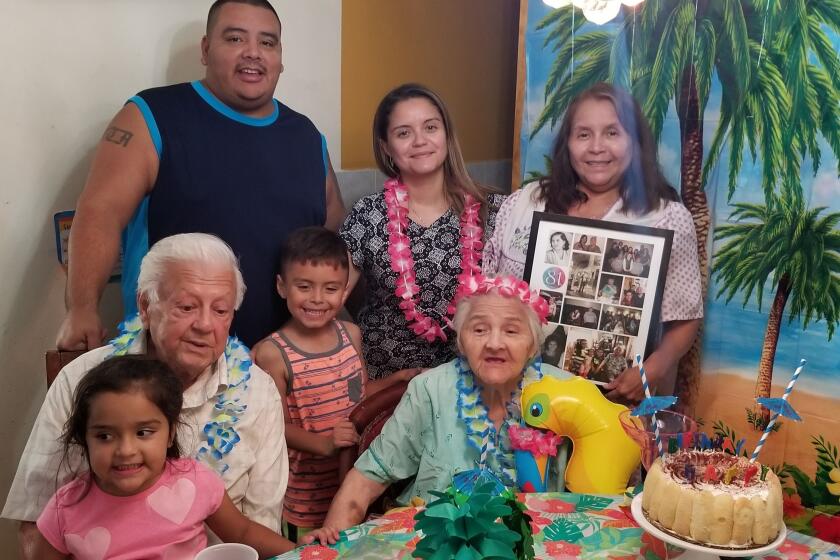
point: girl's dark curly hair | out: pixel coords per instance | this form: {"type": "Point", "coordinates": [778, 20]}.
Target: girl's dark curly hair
{"type": "Point", "coordinates": [124, 374]}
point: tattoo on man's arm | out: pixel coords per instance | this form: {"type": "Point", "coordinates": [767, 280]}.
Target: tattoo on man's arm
{"type": "Point", "coordinates": [117, 136]}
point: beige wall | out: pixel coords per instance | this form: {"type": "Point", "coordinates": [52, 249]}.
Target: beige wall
{"type": "Point", "coordinates": [464, 49]}
{"type": "Point", "coordinates": [67, 68]}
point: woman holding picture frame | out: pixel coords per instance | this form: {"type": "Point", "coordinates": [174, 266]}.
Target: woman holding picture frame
{"type": "Point", "coordinates": [604, 167]}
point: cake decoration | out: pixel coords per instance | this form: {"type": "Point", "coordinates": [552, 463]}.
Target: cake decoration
{"type": "Point", "coordinates": [727, 507]}
{"type": "Point", "coordinates": [707, 491]}
{"type": "Point", "coordinates": [780, 407]}
{"type": "Point", "coordinates": [651, 405]}
{"type": "Point", "coordinates": [750, 473]}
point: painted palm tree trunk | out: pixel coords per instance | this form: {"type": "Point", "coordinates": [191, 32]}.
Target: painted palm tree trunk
{"type": "Point", "coordinates": [764, 381]}
{"type": "Point", "coordinates": [799, 248]}
{"type": "Point", "coordinates": [694, 198]}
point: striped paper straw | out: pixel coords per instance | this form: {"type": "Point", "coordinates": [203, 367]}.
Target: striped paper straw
{"type": "Point", "coordinates": [772, 421]}
{"type": "Point", "coordinates": [482, 459]}
{"type": "Point", "coordinates": [647, 395]}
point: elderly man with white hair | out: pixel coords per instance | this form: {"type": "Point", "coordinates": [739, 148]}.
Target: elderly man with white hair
{"type": "Point", "coordinates": [188, 289]}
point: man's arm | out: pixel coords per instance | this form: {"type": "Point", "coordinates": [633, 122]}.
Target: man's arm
{"type": "Point", "coordinates": [33, 545]}
{"type": "Point", "coordinates": [335, 206]}
{"type": "Point", "coordinates": [29, 540]}
{"type": "Point", "coordinates": [123, 171]}
{"type": "Point", "coordinates": [269, 475]}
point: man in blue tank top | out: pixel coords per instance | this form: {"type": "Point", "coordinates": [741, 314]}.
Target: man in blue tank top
{"type": "Point", "coordinates": [220, 156]}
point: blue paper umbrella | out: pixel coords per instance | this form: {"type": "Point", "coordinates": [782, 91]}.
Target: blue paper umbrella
{"type": "Point", "coordinates": [466, 481]}
{"type": "Point", "coordinates": [779, 406]}
{"type": "Point", "coordinates": [652, 405]}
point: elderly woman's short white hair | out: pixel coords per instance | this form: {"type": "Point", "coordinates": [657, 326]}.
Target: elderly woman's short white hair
{"type": "Point", "coordinates": [201, 248]}
{"type": "Point", "coordinates": [464, 308]}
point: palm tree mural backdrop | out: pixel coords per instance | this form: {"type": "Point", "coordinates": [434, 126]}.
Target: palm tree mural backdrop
{"type": "Point", "coordinates": [798, 250]}
{"type": "Point", "coordinates": [777, 75]}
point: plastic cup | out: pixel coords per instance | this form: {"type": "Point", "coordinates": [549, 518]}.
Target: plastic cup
{"type": "Point", "coordinates": [228, 551]}
{"type": "Point", "coordinates": [641, 430]}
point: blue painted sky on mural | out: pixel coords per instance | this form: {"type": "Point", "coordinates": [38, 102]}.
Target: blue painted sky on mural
{"type": "Point", "coordinates": [733, 334]}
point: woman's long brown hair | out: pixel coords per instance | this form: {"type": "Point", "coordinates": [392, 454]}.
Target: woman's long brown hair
{"type": "Point", "coordinates": [457, 181]}
{"type": "Point", "coordinates": [643, 186]}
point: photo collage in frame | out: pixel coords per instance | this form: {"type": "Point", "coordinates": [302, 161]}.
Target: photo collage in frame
{"type": "Point", "coordinates": [603, 282]}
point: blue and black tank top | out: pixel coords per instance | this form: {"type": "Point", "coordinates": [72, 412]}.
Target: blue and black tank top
{"type": "Point", "coordinates": [251, 181]}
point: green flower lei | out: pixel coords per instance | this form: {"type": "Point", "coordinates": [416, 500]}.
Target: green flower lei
{"type": "Point", "coordinates": [220, 433]}
{"type": "Point", "coordinates": [481, 433]}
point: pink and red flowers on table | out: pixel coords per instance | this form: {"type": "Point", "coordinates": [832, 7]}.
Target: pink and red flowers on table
{"type": "Point", "coordinates": [318, 552]}
{"type": "Point", "coordinates": [562, 549]}
{"type": "Point", "coordinates": [827, 527]}
{"type": "Point", "coordinates": [653, 546]}
{"type": "Point", "coordinates": [618, 519]}
{"type": "Point", "coordinates": [538, 522]}
{"type": "Point", "coordinates": [792, 506]}
{"type": "Point", "coordinates": [549, 505]}
{"type": "Point", "coordinates": [792, 550]}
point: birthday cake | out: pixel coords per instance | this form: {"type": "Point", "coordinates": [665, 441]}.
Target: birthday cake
{"type": "Point", "coordinates": [714, 498]}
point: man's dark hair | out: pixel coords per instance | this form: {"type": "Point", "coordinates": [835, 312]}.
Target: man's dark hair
{"type": "Point", "coordinates": [313, 245]}
{"type": "Point", "coordinates": [217, 5]}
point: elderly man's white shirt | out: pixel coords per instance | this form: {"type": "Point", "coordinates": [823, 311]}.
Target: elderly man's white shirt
{"type": "Point", "coordinates": [259, 466]}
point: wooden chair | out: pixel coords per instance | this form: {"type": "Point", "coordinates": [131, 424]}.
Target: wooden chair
{"type": "Point", "coordinates": [57, 359]}
{"type": "Point", "coordinates": [369, 417]}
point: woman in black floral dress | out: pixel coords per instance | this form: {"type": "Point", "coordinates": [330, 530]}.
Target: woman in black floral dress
{"type": "Point", "coordinates": [431, 195]}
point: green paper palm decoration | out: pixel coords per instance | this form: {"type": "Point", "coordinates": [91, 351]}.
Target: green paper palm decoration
{"type": "Point", "coordinates": [519, 522]}
{"type": "Point", "coordinates": [463, 527]}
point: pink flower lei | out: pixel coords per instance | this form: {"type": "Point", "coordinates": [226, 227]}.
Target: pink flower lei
{"type": "Point", "coordinates": [507, 286]}
{"type": "Point", "coordinates": [402, 261]}
{"type": "Point", "coordinates": [524, 438]}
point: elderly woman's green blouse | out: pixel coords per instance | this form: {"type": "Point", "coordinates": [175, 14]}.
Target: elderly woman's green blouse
{"type": "Point", "coordinates": [425, 437]}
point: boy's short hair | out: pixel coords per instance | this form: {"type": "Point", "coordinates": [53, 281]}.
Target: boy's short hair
{"type": "Point", "coordinates": [313, 245]}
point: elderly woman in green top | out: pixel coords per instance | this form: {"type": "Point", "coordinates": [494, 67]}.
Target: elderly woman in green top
{"type": "Point", "coordinates": [448, 413]}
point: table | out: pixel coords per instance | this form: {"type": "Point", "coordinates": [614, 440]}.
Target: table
{"type": "Point", "coordinates": [566, 526]}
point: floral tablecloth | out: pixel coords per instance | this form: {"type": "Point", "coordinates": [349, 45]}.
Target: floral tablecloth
{"type": "Point", "coordinates": [565, 526]}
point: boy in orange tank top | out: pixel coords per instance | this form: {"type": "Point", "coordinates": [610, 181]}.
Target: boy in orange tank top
{"type": "Point", "coordinates": [315, 360]}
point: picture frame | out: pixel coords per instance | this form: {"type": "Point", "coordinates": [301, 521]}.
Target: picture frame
{"type": "Point", "coordinates": [62, 221]}
{"type": "Point", "coordinates": [604, 283]}
{"type": "Point", "coordinates": [62, 224]}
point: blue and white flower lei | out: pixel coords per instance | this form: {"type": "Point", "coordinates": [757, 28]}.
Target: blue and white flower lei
{"type": "Point", "coordinates": [481, 432]}
{"type": "Point", "coordinates": [220, 432]}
